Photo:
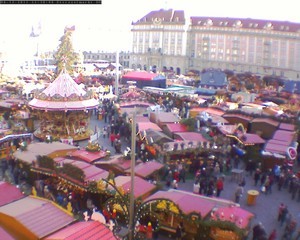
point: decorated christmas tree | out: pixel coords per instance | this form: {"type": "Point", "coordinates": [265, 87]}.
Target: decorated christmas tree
{"type": "Point", "coordinates": [65, 55]}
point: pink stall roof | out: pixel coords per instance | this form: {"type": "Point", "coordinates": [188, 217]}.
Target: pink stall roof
{"type": "Point", "coordinates": [135, 103]}
{"type": "Point", "coordinates": [211, 111]}
{"type": "Point", "coordinates": [142, 76]}
{"type": "Point", "coordinates": [92, 230]}
{"type": "Point", "coordinates": [91, 171]}
{"type": "Point", "coordinates": [276, 147]}
{"type": "Point", "coordinates": [141, 186]}
{"type": "Point", "coordinates": [190, 136]}
{"type": "Point", "coordinates": [200, 205]}
{"type": "Point", "coordinates": [139, 119]}
{"type": "Point", "coordinates": [5, 235]}
{"type": "Point", "coordinates": [235, 214]}
{"type": "Point", "coordinates": [143, 126]}
{"type": "Point", "coordinates": [285, 136]}
{"type": "Point", "coordinates": [41, 148]}
{"type": "Point", "coordinates": [88, 156]}
{"type": "Point", "coordinates": [41, 217]}
{"type": "Point", "coordinates": [287, 126]}
{"type": "Point", "coordinates": [251, 138]}
{"type": "Point", "coordinates": [146, 169]}
{"type": "Point", "coordinates": [167, 117]}
{"type": "Point", "coordinates": [12, 193]}
{"type": "Point", "coordinates": [176, 127]}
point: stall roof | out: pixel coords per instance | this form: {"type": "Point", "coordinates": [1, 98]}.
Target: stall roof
{"type": "Point", "coordinates": [239, 116]}
{"type": "Point", "coordinates": [41, 148]}
{"type": "Point", "coordinates": [91, 171]}
{"type": "Point", "coordinates": [139, 119]}
{"type": "Point", "coordinates": [142, 76]}
{"type": "Point", "coordinates": [251, 138]}
{"type": "Point", "coordinates": [141, 186]}
{"type": "Point", "coordinates": [143, 126]}
{"type": "Point", "coordinates": [167, 117]}
{"type": "Point", "coordinates": [147, 168]}
{"type": "Point", "coordinates": [190, 136]}
{"type": "Point", "coordinates": [41, 217]}
{"type": "Point", "coordinates": [92, 230]}
{"type": "Point", "coordinates": [12, 193]}
{"type": "Point", "coordinates": [282, 135]}
{"type": "Point", "coordinates": [275, 147]}
{"type": "Point", "coordinates": [287, 126]}
{"type": "Point", "coordinates": [88, 156]}
{"type": "Point", "coordinates": [234, 214]}
{"type": "Point", "coordinates": [265, 120]}
{"type": "Point", "coordinates": [176, 127]}
{"type": "Point", "coordinates": [5, 235]}
{"type": "Point", "coordinates": [200, 204]}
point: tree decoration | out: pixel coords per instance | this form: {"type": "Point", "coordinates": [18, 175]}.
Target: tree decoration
{"type": "Point", "coordinates": [73, 172]}
{"type": "Point", "coordinates": [65, 55]}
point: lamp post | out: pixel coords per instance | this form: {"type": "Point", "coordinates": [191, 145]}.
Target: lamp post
{"type": "Point", "coordinates": [117, 74]}
{"type": "Point", "coordinates": [131, 204]}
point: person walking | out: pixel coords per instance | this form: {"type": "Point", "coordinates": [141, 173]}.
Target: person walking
{"type": "Point", "coordinates": [239, 193]}
{"type": "Point", "coordinates": [219, 186]}
{"type": "Point", "coordinates": [273, 235]}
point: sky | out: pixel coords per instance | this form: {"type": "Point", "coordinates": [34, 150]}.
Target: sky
{"type": "Point", "coordinates": [107, 26]}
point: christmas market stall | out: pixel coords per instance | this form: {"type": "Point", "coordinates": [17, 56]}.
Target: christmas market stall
{"type": "Point", "coordinates": [148, 170]}
{"type": "Point", "coordinates": [63, 109]}
{"type": "Point", "coordinates": [83, 230]}
{"type": "Point", "coordinates": [265, 127]}
{"type": "Point", "coordinates": [281, 148]}
{"type": "Point", "coordinates": [143, 79]}
{"type": "Point", "coordinates": [171, 128]}
{"type": "Point", "coordinates": [206, 218]}
{"type": "Point", "coordinates": [33, 218]}
{"type": "Point", "coordinates": [12, 193]}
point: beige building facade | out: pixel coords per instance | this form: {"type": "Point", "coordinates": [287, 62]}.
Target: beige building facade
{"type": "Point", "coordinates": [166, 40]}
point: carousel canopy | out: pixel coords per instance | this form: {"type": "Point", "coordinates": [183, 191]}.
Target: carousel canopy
{"type": "Point", "coordinates": [64, 94]}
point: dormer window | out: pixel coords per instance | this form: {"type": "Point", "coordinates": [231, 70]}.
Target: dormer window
{"type": "Point", "coordinates": [268, 26]}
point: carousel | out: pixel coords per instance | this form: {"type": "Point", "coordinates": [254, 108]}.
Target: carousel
{"type": "Point", "coordinates": [64, 109]}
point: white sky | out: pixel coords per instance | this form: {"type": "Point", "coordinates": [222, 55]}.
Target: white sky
{"type": "Point", "coordinates": [107, 26]}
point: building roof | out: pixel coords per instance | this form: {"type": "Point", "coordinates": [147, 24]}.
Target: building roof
{"type": "Point", "coordinates": [245, 23]}
{"type": "Point", "coordinates": [169, 16]}
{"type": "Point", "coordinates": [41, 217]}
{"type": "Point", "coordinates": [91, 230]}
{"type": "Point", "coordinates": [12, 193]}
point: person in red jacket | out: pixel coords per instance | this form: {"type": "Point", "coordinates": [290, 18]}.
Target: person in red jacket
{"type": "Point", "coordinates": [219, 186]}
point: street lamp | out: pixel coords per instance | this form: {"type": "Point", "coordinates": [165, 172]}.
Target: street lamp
{"type": "Point", "coordinates": [132, 166]}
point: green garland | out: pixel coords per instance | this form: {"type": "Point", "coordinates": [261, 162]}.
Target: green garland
{"type": "Point", "coordinates": [73, 172]}
{"type": "Point", "coordinates": [46, 162]}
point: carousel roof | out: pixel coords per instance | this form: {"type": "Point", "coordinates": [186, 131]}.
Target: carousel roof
{"type": "Point", "coordinates": [65, 86]}
{"type": "Point", "coordinates": [64, 94]}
